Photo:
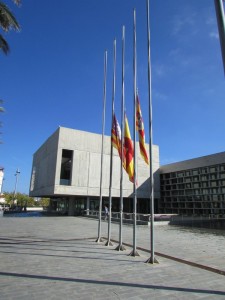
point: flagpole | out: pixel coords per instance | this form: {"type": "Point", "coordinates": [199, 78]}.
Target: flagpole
{"type": "Point", "coordinates": [134, 251]}
{"type": "Point", "coordinates": [99, 239]}
{"type": "Point", "coordinates": [120, 247]}
{"type": "Point", "coordinates": [152, 259]}
{"type": "Point", "coordinates": [221, 26]}
{"type": "Point", "coordinates": [109, 243]}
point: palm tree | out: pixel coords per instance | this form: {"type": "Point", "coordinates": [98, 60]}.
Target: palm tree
{"type": "Point", "coordinates": [7, 22]}
{"type": "Point", "coordinates": [1, 108]}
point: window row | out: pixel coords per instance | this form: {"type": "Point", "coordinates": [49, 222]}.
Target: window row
{"type": "Point", "coordinates": [218, 183]}
{"type": "Point", "coordinates": [204, 170]}
{"type": "Point", "coordinates": [201, 178]}
{"type": "Point", "coordinates": [193, 198]}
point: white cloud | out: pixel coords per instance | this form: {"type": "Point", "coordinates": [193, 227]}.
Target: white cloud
{"type": "Point", "coordinates": [159, 70]}
{"type": "Point", "coordinates": [174, 52]}
{"type": "Point", "coordinates": [180, 23]}
{"type": "Point", "coordinates": [160, 96]}
{"type": "Point", "coordinates": [210, 20]}
{"type": "Point", "coordinates": [214, 35]}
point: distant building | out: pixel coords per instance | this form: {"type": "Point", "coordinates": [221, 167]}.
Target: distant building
{"type": "Point", "coordinates": [66, 168]}
{"type": "Point", "coordinates": [194, 187]}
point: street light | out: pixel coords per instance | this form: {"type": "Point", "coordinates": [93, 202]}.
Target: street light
{"type": "Point", "coordinates": [221, 26]}
{"type": "Point", "coordinates": [17, 174]}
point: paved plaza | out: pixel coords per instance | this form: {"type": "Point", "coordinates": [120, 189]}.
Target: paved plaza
{"type": "Point", "coordinates": [58, 258]}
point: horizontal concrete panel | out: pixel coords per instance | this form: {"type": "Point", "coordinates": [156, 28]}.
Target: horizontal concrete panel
{"type": "Point", "coordinates": [70, 190]}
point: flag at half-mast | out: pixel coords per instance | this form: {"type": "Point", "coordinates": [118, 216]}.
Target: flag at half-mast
{"type": "Point", "coordinates": [116, 134]}
{"type": "Point", "coordinates": [129, 150]}
{"type": "Point", "coordinates": [141, 131]}
{"type": "Point", "coordinates": [116, 138]}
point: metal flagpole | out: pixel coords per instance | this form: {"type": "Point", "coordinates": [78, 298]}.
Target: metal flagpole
{"type": "Point", "coordinates": [134, 251]}
{"type": "Point", "coordinates": [152, 259]}
{"type": "Point", "coordinates": [120, 247]}
{"type": "Point", "coordinates": [103, 135]}
{"type": "Point", "coordinates": [221, 26]}
{"type": "Point", "coordinates": [109, 243]}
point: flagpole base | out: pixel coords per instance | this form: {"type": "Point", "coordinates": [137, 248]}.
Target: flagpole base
{"type": "Point", "coordinates": [152, 261]}
{"type": "Point", "coordinates": [134, 253]}
{"type": "Point", "coordinates": [120, 248]}
{"type": "Point", "coordinates": [108, 243]}
{"type": "Point", "coordinates": [99, 240]}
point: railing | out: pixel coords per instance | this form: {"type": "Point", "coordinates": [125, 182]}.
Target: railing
{"type": "Point", "coordinates": [128, 217]}
{"type": "Point", "coordinates": [116, 215]}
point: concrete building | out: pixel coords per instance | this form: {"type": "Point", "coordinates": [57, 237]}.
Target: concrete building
{"type": "Point", "coordinates": [66, 168]}
{"type": "Point", "coordinates": [194, 187]}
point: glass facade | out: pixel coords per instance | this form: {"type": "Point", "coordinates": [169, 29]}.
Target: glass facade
{"type": "Point", "coordinates": [198, 191]}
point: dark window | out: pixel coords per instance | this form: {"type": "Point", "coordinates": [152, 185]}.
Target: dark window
{"type": "Point", "coordinates": [66, 167]}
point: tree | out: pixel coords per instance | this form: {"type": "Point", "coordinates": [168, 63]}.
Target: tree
{"type": "Point", "coordinates": [7, 22]}
{"type": "Point", "coordinates": [22, 199]}
{"type": "Point", "coordinates": [25, 200]}
{"type": "Point", "coordinates": [1, 108]}
{"type": "Point", "coordinates": [44, 202]}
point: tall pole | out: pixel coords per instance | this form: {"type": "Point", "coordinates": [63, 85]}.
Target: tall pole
{"type": "Point", "coordinates": [15, 190]}
{"type": "Point", "coordinates": [134, 251]}
{"type": "Point", "coordinates": [221, 26]}
{"type": "Point", "coordinates": [120, 247]}
{"type": "Point", "coordinates": [152, 259]}
{"type": "Point", "coordinates": [1, 181]}
{"type": "Point", "coordinates": [109, 243]}
{"type": "Point", "coordinates": [103, 135]}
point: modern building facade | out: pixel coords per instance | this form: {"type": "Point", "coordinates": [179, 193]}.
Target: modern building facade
{"type": "Point", "coordinates": [194, 187]}
{"type": "Point", "coordinates": [67, 167]}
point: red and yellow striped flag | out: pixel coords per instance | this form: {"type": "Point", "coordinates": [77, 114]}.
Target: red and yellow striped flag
{"type": "Point", "coordinates": [116, 138]}
{"type": "Point", "coordinates": [116, 134]}
{"type": "Point", "coordinates": [129, 151]}
{"type": "Point", "coordinates": [141, 131]}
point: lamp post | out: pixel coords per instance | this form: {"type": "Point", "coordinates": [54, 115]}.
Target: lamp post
{"type": "Point", "coordinates": [221, 26]}
{"type": "Point", "coordinates": [17, 174]}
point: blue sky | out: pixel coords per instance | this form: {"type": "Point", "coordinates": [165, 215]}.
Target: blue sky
{"type": "Point", "coordinates": [53, 76]}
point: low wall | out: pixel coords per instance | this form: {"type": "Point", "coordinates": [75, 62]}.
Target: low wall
{"type": "Point", "coordinates": [198, 221]}
{"type": "Point", "coordinates": [35, 208]}
{"type": "Point", "coordinates": [142, 219]}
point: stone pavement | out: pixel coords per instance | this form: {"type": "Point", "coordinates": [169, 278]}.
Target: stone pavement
{"type": "Point", "coordinates": [58, 258]}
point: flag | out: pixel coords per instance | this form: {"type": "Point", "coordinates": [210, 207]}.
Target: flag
{"type": "Point", "coordinates": [129, 151]}
{"type": "Point", "coordinates": [116, 138]}
{"type": "Point", "coordinates": [141, 131]}
{"type": "Point", "coordinates": [116, 134]}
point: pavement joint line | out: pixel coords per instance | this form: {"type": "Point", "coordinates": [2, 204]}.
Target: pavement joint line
{"type": "Point", "coordinates": [180, 260]}
{"type": "Point", "coordinates": [112, 283]}
{"type": "Point", "coordinates": [14, 241]}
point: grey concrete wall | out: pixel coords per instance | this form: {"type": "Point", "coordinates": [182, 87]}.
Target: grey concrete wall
{"type": "Point", "coordinates": [86, 147]}
{"type": "Point", "coordinates": [44, 168]}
